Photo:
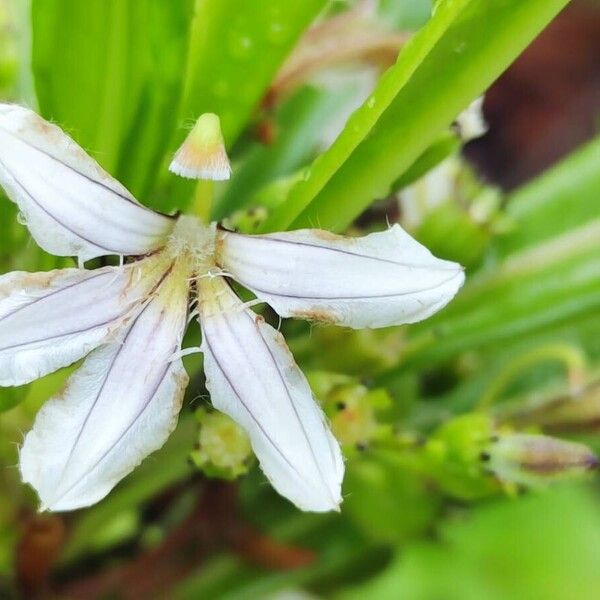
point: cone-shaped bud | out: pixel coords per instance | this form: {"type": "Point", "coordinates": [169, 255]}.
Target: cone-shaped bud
{"type": "Point", "coordinates": [202, 155]}
{"type": "Point", "coordinates": [534, 460]}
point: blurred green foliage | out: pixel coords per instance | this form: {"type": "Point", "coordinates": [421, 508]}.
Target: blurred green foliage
{"type": "Point", "coordinates": [539, 547]}
{"type": "Point", "coordinates": [122, 67]}
{"type": "Point", "coordinates": [451, 60]}
{"type": "Point", "coordinates": [417, 409]}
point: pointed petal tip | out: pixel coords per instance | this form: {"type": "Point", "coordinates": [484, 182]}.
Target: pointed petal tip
{"type": "Point", "coordinates": [77, 450]}
{"type": "Point", "coordinates": [321, 499]}
{"type": "Point", "coordinates": [319, 492]}
{"type": "Point", "coordinates": [335, 502]}
{"type": "Point", "coordinates": [61, 503]}
{"type": "Point", "coordinates": [460, 277]}
{"type": "Point", "coordinates": [58, 189]}
{"type": "Point", "coordinates": [332, 506]}
{"type": "Point", "coordinates": [460, 274]}
{"type": "Point", "coordinates": [45, 507]}
{"type": "Point", "coordinates": [378, 280]}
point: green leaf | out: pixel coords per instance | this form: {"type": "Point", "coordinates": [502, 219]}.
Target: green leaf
{"type": "Point", "coordinates": [113, 77]}
{"type": "Point", "coordinates": [540, 546]}
{"type": "Point", "coordinates": [406, 15]}
{"type": "Point", "coordinates": [454, 58]}
{"type": "Point", "coordinates": [236, 49]}
{"type": "Point", "coordinates": [300, 120]}
{"type": "Point", "coordinates": [537, 288]}
{"type": "Point", "coordinates": [447, 143]}
{"type": "Point", "coordinates": [10, 397]}
{"type": "Point", "coordinates": [563, 198]}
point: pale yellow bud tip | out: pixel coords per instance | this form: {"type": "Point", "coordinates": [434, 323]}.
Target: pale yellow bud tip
{"type": "Point", "coordinates": [202, 155]}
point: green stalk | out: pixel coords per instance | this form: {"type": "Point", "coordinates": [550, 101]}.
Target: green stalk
{"type": "Point", "coordinates": [453, 59]}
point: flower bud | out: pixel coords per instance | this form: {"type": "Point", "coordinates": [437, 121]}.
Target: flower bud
{"type": "Point", "coordinates": [202, 155]}
{"type": "Point", "coordinates": [351, 407]}
{"type": "Point", "coordinates": [452, 211]}
{"type": "Point", "coordinates": [534, 460]}
{"type": "Point", "coordinates": [223, 449]}
{"type": "Point", "coordinates": [566, 413]}
{"type": "Point", "coordinates": [452, 455]}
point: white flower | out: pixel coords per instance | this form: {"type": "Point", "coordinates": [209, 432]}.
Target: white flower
{"type": "Point", "coordinates": [471, 123]}
{"type": "Point", "coordinates": [129, 322]}
{"type": "Point", "coordinates": [439, 185]}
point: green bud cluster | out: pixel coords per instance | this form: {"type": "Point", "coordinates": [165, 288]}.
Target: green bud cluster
{"type": "Point", "coordinates": [452, 212]}
{"type": "Point", "coordinates": [223, 449]}
{"type": "Point", "coordinates": [353, 409]}
{"type": "Point", "coordinates": [366, 351]}
{"type": "Point", "coordinates": [471, 456]}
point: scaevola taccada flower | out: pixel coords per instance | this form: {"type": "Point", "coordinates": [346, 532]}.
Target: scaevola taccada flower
{"type": "Point", "coordinates": [128, 322]}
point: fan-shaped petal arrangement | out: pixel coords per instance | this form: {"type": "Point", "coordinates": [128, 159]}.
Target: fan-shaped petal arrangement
{"type": "Point", "coordinates": [129, 321]}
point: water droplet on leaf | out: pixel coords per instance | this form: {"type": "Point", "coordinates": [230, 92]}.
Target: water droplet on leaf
{"type": "Point", "coordinates": [240, 46]}
{"type": "Point", "coordinates": [277, 34]}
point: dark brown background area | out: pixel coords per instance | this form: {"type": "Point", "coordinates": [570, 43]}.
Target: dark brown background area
{"type": "Point", "coordinates": [547, 103]}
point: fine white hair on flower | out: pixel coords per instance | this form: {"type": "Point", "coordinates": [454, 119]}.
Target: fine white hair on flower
{"type": "Point", "coordinates": [129, 321]}
{"type": "Point", "coordinates": [378, 280]}
{"type": "Point", "coordinates": [47, 320]}
{"type": "Point", "coordinates": [253, 378]}
{"type": "Point", "coordinates": [77, 450]}
{"type": "Point", "coordinates": [71, 206]}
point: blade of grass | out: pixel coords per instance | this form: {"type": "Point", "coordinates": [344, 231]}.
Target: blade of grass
{"type": "Point", "coordinates": [101, 64]}
{"type": "Point", "coordinates": [452, 60]}
{"type": "Point", "coordinates": [562, 198]}
{"type": "Point", "coordinates": [235, 51]}
{"type": "Point", "coordinates": [365, 118]}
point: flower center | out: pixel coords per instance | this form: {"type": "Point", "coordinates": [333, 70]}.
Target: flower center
{"type": "Point", "coordinates": [195, 240]}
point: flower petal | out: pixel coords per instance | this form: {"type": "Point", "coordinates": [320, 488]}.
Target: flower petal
{"type": "Point", "coordinates": [253, 378]}
{"type": "Point", "coordinates": [71, 206]}
{"type": "Point", "coordinates": [378, 280]}
{"type": "Point", "coordinates": [118, 408]}
{"type": "Point", "coordinates": [50, 320]}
